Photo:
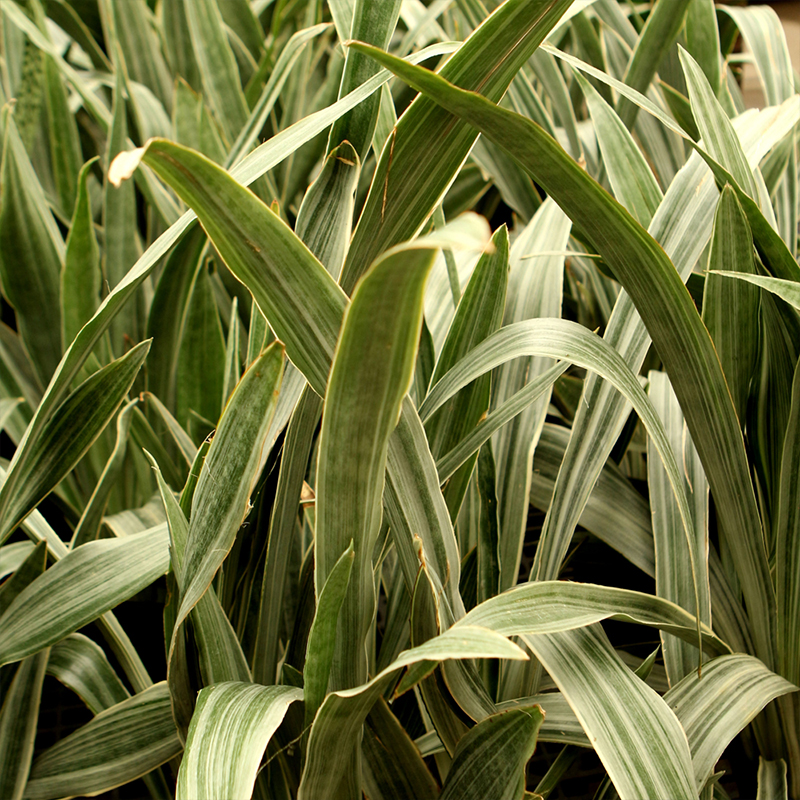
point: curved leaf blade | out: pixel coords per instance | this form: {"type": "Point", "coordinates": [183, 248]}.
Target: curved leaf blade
{"type": "Point", "coordinates": [230, 729]}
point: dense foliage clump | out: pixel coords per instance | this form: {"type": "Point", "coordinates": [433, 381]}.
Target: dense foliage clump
{"type": "Point", "coordinates": [430, 368]}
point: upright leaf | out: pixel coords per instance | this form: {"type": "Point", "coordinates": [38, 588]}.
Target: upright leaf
{"type": "Point", "coordinates": [81, 277]}
{"type": "Point", "coordinates": [371, 373]}
{"type": "Point", "coordinates": [234, 461]}
{"type": "Point", "coordinates": [28, 232]}
{"type": "Point", "coordinates": [18, 722]}
{"type": "Point", "coordinates": [738, 346]}
{"type": "Point", "coordinates": [491, 758]}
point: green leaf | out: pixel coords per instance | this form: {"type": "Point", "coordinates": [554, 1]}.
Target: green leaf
{"type": "Point", "coordinates": [787, 545]}
{"type": "Point", "coordinates": [322, 636]}
{"type": "Point", "coordinates": [732, 249]}
{"type": "Point", "coordinates": [325, 218]}
{"type": "Point", "coordinates": [81, 665]}
{"type": "Point", "coordinates": [81, 277]}
{"type": "Point", "coordinates": [13, 555]}
{"type": "Point", "coordinates": [260, 250]}
{"type": "Point", "coordinates": [130, 26]}
{"type": "Point", "coordinates": [479, 314]}
{"type": "Point", "coordinates": [409, 182]}
{"type": "Point", "coordinates": [668, 312]}
{"type": "Point", "coordinates": [535, 290]}
{"type": "Point", "coordinates": [297, 445]}
{"type": "Point", "coordinates": [30, 569]}
{"type": "Point", "coordinates": [217, 65]}
{"type": "Point", "coordinates": [766, 39]}
{"type": "Point", "coordinates": [674, 565]}
{"type": "Point", "coordinates": [338, 722]}
{"type": "Point", "coordinates": [88, 526]}
{"type": "Point", "coordinates": [230, 729]}
{"type": "Point", "coordinates": [714, 708]}
{"type": "Point", "coordinates": [28, 230]}
{"type": "Point", "coordinates": [544, 607]}
{"type": "Point", "coordinates": [221, 658]}
{"type": "Point", "coordinates": [234, 461]}
{"type": "Point", "coordinates": [373, 23]}
{"type": "Point", "coordinates": [496, 419]}
{"type": "Point", "coordinates": [491, 758]}
{"type": "Point", "coordinates": [371, 374]}
{"type": "Point", "coordinates": [658, 36]}
{"type": "Point", "coordinates": [79, 588]}
{"type": "Point", "coordinates": [785, 289]}
{"type": "Point", "coordinates": [18, 723]}
{"type": "Point", "coordinates": [772, 783]}
{"type": "Point", "coordinates": [201, 360]}
{"type": "Point", "coordinates": [719, 137]}
{"type": "Point", "coordinates": [630, 176]}
{"type": "Point", "coordinates": [120, 744]}
{"type": "Point", "coordinates": [702, 40]}
{"type": "Point", "coordinates": [392, 763]}
{"type": "Point", "coordinates": [122, 246]}
{"type": "Point", "coordinates": [65, 146]}
{"type": "Point", "coordinates": [637, 737]}
{"type": "Point", "coordinates": [37, 469]}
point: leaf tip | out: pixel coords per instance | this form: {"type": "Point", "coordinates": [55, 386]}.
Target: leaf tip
{"type": "Point", "coordinates": [124, 165]}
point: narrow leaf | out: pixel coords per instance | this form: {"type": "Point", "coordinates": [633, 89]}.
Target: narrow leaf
{"type": "Point", "coordinates": [79, 588]}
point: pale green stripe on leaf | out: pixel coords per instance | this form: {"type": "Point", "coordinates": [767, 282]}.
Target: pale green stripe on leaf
{"type": "Point", "coordinates": [120, 744]}
{"type": "Point", "coordinates": [229, 473]}
{"type": "Point", "coordinates": [231, 726]}
{"type": "Point", "coordinates": [83, 585]}
{"type": "Point", "coordinates": [634, 732]}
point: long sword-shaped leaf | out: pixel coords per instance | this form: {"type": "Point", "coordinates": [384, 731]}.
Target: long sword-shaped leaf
{"type": "Point", "coordinates": [217, 65]}
{"type": "Point", "coordinates": [339, 719]}
{"type": "Point", "coordinates": [261, 251]}
{"type": "Point", "coordinates": [666, 309]}
{"type": "Point", "coordinates": [674, 565]}
{"type": "Point", "coordinates": [542, 607]}
{"type": "Point", "coordinates": [322, 636]}
{"type": "Point", "coordinates": [732, 249]}
{"type": "Point", "coordinates": [66, 437]}
{"type": "Point", "coordinates": [410, 182]}
{"type": "Point", "coordinates": [659, 34]}
{"type": "Point", "coordinates": [120, 744]}
{"type": "Point", "coordinates": [83, 585]}
{"type": "Point", "coordinates": [638, 738]}
{"type": "Point", "coordinates": [28, 231]}
{"type": "Point", "coordinates": [234, 461]}
{"type": "Point", "coordinates": [81, 277]}
{"type": "Point", "coordinates": [787, 547]}
{"type": "Point", "coordinates": [256, 164]}
{"type": "Point", "coordinates": [230, 729]}
{"type": "Point", "coordinates": [221, 657]}
{"type": "Point", "coordinates": [491, 758]}
{"type": "Point", "coordinates": [18, 723]}
{"type": "Point", "coordinates": [714, 708]}
{"type": "Point", "coordinates": [371, 374]}
{"type": "Point", "coordinates": [535, 290]}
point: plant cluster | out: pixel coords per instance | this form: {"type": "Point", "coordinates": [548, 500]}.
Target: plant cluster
{"type": "Point", "coordinates": [308, 307]}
